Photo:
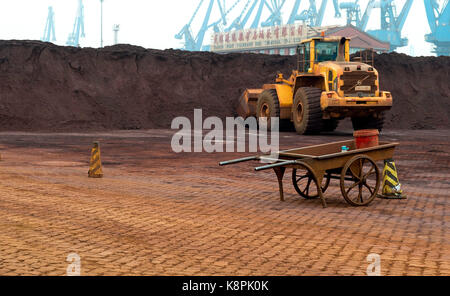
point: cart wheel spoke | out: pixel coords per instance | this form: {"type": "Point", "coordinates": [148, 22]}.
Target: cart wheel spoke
{"type": "Point", "coordinates": [368, 187]}
{"type": "Point", "coordinates": [301, 178]}
{"type": "Point", "coordinates": [361, 167]}
{"type": "Point", "coordinates": [358, 199]}
{"type": "Point", "coordinates": [371, 172]}
{"type": "Point", "coordinates": [356, 176]}
{"type": "Point", "coordinates": [306, 190]}
{"type": "Point", "coordinates": [360, 194]}
{"type": "Point", "coordinates": [353, 186]}
{"type": "Point", "coordinates": [305, 183]}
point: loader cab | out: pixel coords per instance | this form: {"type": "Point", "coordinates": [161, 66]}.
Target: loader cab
{"type": "Point", "coordinates": [320, 49]}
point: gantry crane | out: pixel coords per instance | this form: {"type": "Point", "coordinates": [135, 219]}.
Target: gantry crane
{"type": "Point", "coordinates": [337, 13]}
{"type": "Point", "coordinates": [275, 18]}
{"type": "Point", "coordinates": [240, 22]}
{"type": "Point", "coordinates": [196, 43]}
{"type": "Point", "coordinates": [439, 21]}
{"type": "Point", "coordinates": [255, 8]}
{"type": "Point", "coordinates": [49, 31]}
{"type": "Point", "coordinates": [353, 12]}
{"type": "Point", "coordinates": [390, 29]}
{"type": "Point", "coordinates": [391, 24]}
{"type": "Point", "coordinates": [78, 27]}
{"type": "Point", "coordinates": [311, 16]}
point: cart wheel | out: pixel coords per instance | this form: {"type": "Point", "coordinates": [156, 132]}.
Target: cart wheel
{"type": "Point", "coordinates": [302, 181]}
{"type": "Point", "coordinates": [360, 180]}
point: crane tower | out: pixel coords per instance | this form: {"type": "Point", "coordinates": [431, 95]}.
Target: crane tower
{"type": "Point", "coordinates": [78, 27]}
{"type": "Point", "coordinates": [49, 31]}
{"type": "Point", "coordinates": [391, 24]}
{"type": "Point", "coordinates": [439, 21]}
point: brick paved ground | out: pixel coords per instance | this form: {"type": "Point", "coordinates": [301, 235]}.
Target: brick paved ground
{"type": "Point", "coordinates": [160, 213]}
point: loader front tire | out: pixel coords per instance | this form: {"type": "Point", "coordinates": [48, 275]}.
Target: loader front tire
{"type": "Point", "coordinates": [306, 111]}
{"type": "Point", "coordinates": [268, 106]}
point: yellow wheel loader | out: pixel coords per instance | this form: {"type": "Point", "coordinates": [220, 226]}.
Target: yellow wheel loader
{"type": "Point", "coordinates": [325, 88]}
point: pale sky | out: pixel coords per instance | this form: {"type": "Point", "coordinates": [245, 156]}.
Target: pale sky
{"type": "Point", "coordinates": [153, 24]}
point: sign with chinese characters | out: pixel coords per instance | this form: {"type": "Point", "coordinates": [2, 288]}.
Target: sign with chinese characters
{"type": "Point", "coordinates": [260, 38]}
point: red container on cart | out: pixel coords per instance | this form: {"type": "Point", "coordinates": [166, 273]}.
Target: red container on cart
{"type": "Point", "coordinates": [366, 138]}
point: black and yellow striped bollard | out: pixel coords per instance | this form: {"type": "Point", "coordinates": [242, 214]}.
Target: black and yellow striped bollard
{"type": "Point", "coordinates": [95, 166]}
{"type": "Point", "coordinates": [391, 185]}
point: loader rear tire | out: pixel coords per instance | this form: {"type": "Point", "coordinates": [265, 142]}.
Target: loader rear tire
{"type": "Point", "coordinates": [306, 111]}
{"type": "Point", "coordinates": [268, 106]}
{"type": "Point", "coordinates": [360, 123]}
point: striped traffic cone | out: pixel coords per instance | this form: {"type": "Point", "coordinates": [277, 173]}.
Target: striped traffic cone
{"type": "Point", "coordinates": [95, 167]}
{"type": "Point", "coordinates": [391, 185]}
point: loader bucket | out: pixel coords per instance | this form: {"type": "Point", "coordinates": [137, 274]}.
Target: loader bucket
{"type": "Point", "coordinates": [247, 102]}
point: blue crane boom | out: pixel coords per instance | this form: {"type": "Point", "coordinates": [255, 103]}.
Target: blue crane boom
{"type": "Point", "coordinates": [247, 16]}
{"type": "Point", "coordinates": [239, 23]}
{"type": "Point", "coordinates": [321, 13]}
{"type": "Point", "coordinates": [439, 21]}
{"type": "Point", "coordinates": [365, 18]}
{"type": "Point", "coordinates": [257, 18]}
{"type": "Point", "coordinates": [294, 12]}
{"type": "Point", "coordinates": [337, 12]}
{"type": "Point", "coordinates": [204, 27]}
{"type": "Point", "coordinates": [195, 43]}
{"type": "Point", "coordinates": [49, 31]}
{"type": "Point", "coordinates": [78, 27]}
{"type": "Point", "coordinates": [311, 15]}
{"type": "Point", "coordinates": [222, 11]}
{"type": "Point", "coordinates": [403, 15]}
{"type": "Point", "coordinates": [190, 42]}
{"type": "Point", "coordinates": [275, 17]}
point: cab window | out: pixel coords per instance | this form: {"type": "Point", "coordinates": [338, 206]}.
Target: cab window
{"type": "Point", "coordinates": [326, 51]}
{"type": "Point", "coordinates": [306, 57]}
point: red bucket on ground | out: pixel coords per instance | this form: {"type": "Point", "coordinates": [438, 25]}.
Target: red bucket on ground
{"type": "Point", "coordinates": [366, 138]}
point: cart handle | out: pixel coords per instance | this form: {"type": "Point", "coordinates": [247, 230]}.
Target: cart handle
{"type": "Point", "coordinates": [238, 160]}
{"type": "Point", "coordinates": [274, 165]}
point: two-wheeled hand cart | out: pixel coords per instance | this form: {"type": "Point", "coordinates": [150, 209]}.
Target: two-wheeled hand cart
{"type": "Point", "coordinates": [314, 167]}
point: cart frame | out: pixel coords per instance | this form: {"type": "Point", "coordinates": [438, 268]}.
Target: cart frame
{"type": "Point", "coordinates": [326, 161]}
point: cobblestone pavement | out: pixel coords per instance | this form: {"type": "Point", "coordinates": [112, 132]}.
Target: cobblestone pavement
{"type": "Point", "coordinates": [156, 212]}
